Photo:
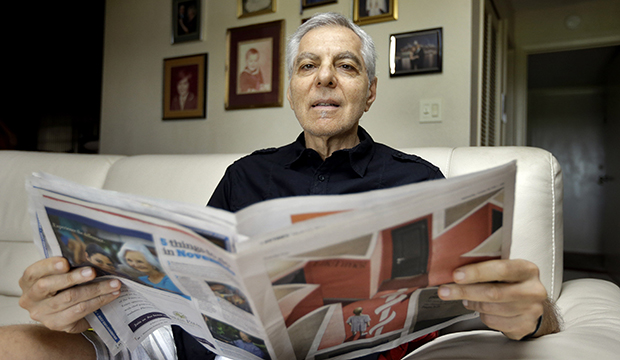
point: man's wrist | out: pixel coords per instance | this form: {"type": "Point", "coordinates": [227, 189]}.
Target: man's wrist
{"type": "Point", "coordinates": [529, 336]}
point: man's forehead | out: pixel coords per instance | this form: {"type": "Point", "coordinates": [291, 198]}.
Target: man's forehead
{"type": "Point", "coordinates": [332, 30]}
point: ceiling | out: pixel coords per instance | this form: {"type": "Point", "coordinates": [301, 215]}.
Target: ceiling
{"type": "Point", "coordinates": [572, 68]}
{"type": "Point", "coordinates": [582, 67]}
{"type": "Point", "coordinates": [521, 5]}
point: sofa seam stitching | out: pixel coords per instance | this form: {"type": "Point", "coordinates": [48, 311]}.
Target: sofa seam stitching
{"type": "Point", "coordinates": [449, 164]}
{"type": "Point", "coordinates": [553, 264]}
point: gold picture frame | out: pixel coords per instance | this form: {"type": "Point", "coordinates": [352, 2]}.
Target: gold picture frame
{"type": "Point", "coordinates": [185, 87]}
{"type": "Point", "coordinates": [374, 11]}
{"type": "Point", "coordinates": [246, 8]}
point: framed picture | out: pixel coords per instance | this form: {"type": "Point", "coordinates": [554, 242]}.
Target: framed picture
{"type": "Point", "coordinates": [247, 8]}
{"type": "Point", "coordinates": [311, 3]}
{"type": "Point", "coordinates": [374, 11]}
{"type": "Point", "coordinates": [416, 52]}
{"type": "Point", "coordinates": [254, 64]}
{"type": "Point", "coordinates": [185, 20]}
{"type": "Point", "coordinates": [185, 87]}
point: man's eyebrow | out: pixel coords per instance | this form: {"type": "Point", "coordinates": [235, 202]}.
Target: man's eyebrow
{"type": "Point", "coordinates": [344, 55]}
{"type": "Point", "coordinates": [305, 55]}
{"type": "Point", "coordinates": [351, 56]}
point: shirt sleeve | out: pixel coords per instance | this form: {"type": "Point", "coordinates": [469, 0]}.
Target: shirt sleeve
{"type": "Point", "coordinates": [157, 346]}
{"type": "Point", "coordinates": [221, 196]}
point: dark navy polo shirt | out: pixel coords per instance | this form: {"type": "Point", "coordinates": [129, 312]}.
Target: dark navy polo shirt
{"type": "Point", "coordinates": [294, 170]}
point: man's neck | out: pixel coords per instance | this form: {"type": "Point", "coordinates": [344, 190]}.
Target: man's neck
{"type": "Point", "coordinates": [327, 145]}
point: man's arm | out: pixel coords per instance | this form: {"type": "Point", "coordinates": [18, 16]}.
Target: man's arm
{"type": "Point", "coordinates": [57, 297]}
{"type": "Point", "coordinates": [508, 295]}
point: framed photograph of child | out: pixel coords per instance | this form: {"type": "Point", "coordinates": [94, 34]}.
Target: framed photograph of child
{"type": "Point", "coordinates": [254, 65]}
{"type": "Point", "coordinates": [374, 11]}
{"type": "Point", "coordinates": [416, 52]}
{"type": "Point", "coordinates": [186, 20]}
{"type": "Point", "coordinates": [247, 8]}
{"type": "Point", "coordinates": [185, 87]}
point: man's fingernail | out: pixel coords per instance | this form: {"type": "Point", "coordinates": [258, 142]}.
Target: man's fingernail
{"type": "Point", "coordinates": [59, 265]}
{"type": "Point", "coordinates": [459, 275]}
{"type": "Point", "coordinates": [444, 291]}
{"type": "Point", "coordinates": [86, 272]}
{"type": "Point", "coordinates": [115, 283]}
{"type": "Point", "coordinates": [465, 303]}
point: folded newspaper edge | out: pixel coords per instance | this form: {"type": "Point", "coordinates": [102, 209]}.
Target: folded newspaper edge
{"type": "Point", "coordinates": [311, 277]}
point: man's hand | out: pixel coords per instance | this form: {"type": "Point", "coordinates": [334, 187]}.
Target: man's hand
{"type": "Point", "coordinates": [508, 295]}
{"type": "Point", "coordinates": [55, 297]}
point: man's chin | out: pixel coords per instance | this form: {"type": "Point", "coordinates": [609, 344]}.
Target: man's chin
{"type": "Point", "coordinates": [326, 129]}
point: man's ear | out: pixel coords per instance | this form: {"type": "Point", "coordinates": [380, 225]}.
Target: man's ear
{"type": "Point", "coordinates": [288, 96]}
{"type": "Point", "coordinates": [372, 94]}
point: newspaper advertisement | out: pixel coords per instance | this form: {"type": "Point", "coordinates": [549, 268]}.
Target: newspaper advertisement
{"type": "Point", "coordinates": [313, 277]}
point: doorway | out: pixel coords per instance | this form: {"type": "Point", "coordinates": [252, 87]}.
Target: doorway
{"type": "Point", "coordinates": [567, 115]}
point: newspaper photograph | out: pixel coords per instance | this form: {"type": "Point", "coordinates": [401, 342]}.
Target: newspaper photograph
{"type": "Point", "coordinates": [324, 277]}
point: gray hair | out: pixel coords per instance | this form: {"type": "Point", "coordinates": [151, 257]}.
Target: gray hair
{"type": "Point", "coordinates": [369, 54]}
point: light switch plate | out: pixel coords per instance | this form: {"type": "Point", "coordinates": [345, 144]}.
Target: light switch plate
{"type": "Point", "coordinates": [430, 110]}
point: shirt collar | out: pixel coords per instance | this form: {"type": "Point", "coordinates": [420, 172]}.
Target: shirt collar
{"type": "Point", "coordinates": [359, 156]}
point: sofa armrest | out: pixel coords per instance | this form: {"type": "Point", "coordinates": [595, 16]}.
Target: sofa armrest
{"type": "Point", "coordinates": [591, 312]}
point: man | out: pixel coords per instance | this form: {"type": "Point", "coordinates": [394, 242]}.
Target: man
{"type": "Point", "coordinates": [417, 56]}
{"type": "Point", "coordinates": [332, 83]}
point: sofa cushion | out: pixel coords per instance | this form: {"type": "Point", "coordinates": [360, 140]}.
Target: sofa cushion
{"type": "Point", "coordinates": [17, 166]}
{"type": "Point", "coordinates": [17, 250]}
{"type": "Point", "coordinates": [15, 257]}
{"type": "Point", "coordinates": [11, 312]}
{"type": "Point", "coordinates": [538, 231]}
{"type": "Point", "coordinates": [187, 178]}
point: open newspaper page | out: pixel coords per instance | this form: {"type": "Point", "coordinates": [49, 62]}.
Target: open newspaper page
{"type": "Point", "coordinates": [364, 279]}
{"type": "Point", "coordinates": [322, 277]}
{"type": "Point", "coordinates": [172, 272]}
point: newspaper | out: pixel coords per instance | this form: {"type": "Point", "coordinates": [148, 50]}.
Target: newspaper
{"type": "Point", "coordinates": [310, 277]}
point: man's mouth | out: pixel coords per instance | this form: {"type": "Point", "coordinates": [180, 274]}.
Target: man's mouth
{"type": "Point", "coordinates": [325, 104]}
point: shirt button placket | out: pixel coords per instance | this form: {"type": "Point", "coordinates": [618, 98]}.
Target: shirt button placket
{"type": "Point", "coordinates": [320, 184]}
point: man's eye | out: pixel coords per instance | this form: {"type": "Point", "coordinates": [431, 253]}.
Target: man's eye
{"type": "Point", "coordinates": [307, 66]}
{"type": "Point", "coordinates": [347, 67]}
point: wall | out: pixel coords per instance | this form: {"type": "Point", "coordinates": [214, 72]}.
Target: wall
{"type": "Point", "coordinates": [611, 228]}
{"type": "Point", "coordinates": [568, 122]}
{"type": "Point", "coordinates": [137, 39]}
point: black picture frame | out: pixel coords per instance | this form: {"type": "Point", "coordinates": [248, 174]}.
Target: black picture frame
{"type": "Point", "coordinates": [305, 4]}
{"type": "Point", "coordinates": [416, 52]}
{"type": "Point", "coordinates": [186, 20]}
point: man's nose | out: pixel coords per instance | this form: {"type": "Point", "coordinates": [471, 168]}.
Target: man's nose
{"type": "Point", "coordinates": [326, 76]}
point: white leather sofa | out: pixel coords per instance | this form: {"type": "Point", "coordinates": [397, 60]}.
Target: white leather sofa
{"type": "Point", "coordinates": [590, 308]}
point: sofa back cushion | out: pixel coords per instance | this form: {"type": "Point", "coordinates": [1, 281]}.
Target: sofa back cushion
{"type": "Point", "coordinates": [186, 178]}
{"type": "Point", "coordinates": [537, 233]}
{"type": "Point", "coordinates": [17, 249]}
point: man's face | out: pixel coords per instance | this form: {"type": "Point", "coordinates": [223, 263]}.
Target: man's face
{"type": "Point", "coordinates": [329, 89]}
